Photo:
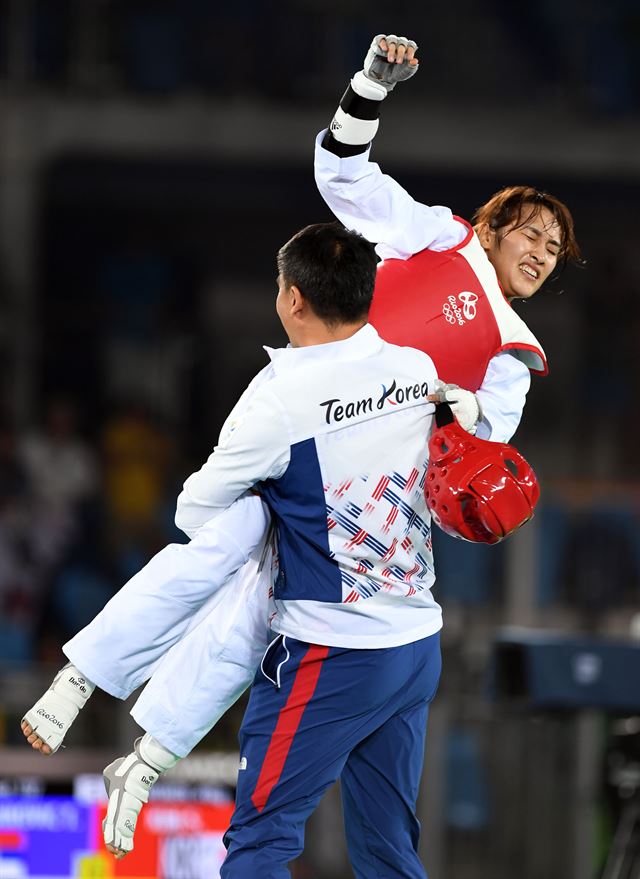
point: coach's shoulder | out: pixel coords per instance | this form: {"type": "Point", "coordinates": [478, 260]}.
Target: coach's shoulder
{"type": "Point", "coordinates": [412, 358]}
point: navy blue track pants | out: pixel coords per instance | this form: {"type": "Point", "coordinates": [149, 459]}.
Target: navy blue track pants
{"type": "Point", "coordinates": [320, 713]}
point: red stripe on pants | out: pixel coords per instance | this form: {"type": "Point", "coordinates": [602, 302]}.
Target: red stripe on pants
{"type": "Point", "coordinates": [289, 719]}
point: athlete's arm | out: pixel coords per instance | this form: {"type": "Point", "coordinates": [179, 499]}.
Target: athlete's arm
{"type": "Point", "coordinates": [502, 396]}
{"type": "Point", "coordinates": [356, 190]}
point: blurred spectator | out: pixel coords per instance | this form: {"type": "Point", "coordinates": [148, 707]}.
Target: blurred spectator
{"type": "Point", "coordinates": [63, 474]}
{"type": "Point", "coordinates": [144, 306]}
{"type": "Point", "coordinates": [13, 480]}
{"type": "Point", "coordinates": [138, 456]}
{"type": "Point", "coordinates": [19, 576]}
{"type": "Point", "coordinates": [61, 464]}
{"type": "Point", "coordinates": [49, 480]}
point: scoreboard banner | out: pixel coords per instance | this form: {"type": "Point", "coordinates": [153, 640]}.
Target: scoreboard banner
{"type": "Point", "coordinates": [53, 837]}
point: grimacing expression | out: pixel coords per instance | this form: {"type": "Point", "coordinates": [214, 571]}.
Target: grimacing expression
{"type": "Point", "coordinates": [523, 256]}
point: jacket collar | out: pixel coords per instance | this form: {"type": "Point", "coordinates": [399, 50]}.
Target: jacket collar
{"type": "Point", "coordinates": [364, 343]}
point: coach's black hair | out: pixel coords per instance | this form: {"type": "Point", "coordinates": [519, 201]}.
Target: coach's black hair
{"type": "Point", "coordinates": [333, 268]}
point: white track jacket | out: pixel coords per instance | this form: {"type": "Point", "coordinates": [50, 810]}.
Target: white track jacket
{"type": "Point", "coordinates": [336, 442]}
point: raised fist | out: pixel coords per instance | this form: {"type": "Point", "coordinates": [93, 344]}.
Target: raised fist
{"type": "Point", "coordinates": [390, 59]}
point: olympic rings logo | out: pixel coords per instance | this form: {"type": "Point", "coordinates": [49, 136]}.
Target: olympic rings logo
{"type": "Point", "coordinates": [448, 313]}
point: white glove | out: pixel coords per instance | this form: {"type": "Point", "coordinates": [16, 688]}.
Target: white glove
{"type": "Point", "coordinates": [388, 73]}
{"type": "Point", "coordinates": [464, 405]}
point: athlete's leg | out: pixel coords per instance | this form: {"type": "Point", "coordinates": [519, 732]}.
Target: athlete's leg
{"type": "Point", "coordinates": [123, 645]}
{"type": "Point", "coordinates": [120, 648]}
{"type": "Point", "coordinates": [208, 669]}
{"type": "Point", "coordinates": [197, 680]}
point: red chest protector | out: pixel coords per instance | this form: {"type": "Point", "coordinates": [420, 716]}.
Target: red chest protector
{"type": "Point", "coordinates": [449, 305]}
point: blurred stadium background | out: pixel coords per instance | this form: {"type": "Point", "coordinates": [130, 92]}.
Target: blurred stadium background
{"type": "Point", "coordinates": [153, 157]}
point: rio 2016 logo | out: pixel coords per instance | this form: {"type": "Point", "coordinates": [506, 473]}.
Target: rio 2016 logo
{"type": "Point", "coordinates": [452, 311]}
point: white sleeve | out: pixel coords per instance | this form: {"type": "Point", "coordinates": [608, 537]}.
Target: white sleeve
{"type": "Point", "coordinates": [255, 447]}
{"type": "Point", "coordinates": [221, 546]}
{"type": "Point", "coordinates": [502, 396]}
{"type": "Point", "coordinates": [373, 204]}
{"type": "Point", "coordinates": [122, 645]}
{"type": "Point", "coordinates": [265, 374]}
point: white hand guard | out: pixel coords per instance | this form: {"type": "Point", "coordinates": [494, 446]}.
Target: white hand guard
{"type": "Point", "coordinates": [464, 405]}
{"type": "Point", "coordinates": [388, 73]}
{"type": "Point", "coordinates": [128, 781]}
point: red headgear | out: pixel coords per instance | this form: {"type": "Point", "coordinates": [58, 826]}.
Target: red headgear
{"type": "Point", "coordinates": [477, 490]}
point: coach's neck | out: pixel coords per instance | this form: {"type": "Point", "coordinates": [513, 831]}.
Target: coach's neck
{"type": "Point", "coordinates": [304, 327]}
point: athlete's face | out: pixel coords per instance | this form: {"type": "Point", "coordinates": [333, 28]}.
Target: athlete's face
{"type": "Point", "coordinates": [523, 257]}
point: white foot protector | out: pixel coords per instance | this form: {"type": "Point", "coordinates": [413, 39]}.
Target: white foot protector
{"type": "Point", "coordinates": [55, 711]}
{"type": "Point", "coordinates": [128, 781]}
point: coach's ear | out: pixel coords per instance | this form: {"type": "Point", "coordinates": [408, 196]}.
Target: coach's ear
{"type": "Point", "coordinates": [297, 303]}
